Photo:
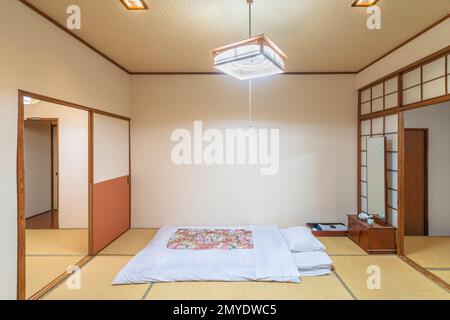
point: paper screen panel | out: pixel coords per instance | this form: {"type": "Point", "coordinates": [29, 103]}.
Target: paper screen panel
{"type": "Point", "coordinates": [365, 95]}
{"type": "Point", "coordinates": [392, 199]}
{"type": "Point", "coordinates": [363, 143]}
{"type": "Point", "coordinates": [434, 88]}
{"type": "Point", "coordinates": [392, 142]}
{"type": "Point", "coordinates": [363, 204]}
{"type": "Point", "coordinates": [377, 126]}
{"type": "Point", "coordinates": [363, 158]}
{"type": "Point", "coordinates": [433, 70]}
{"type": "Point", "coordinates": [391, 100]}
{"type": "Point", "coordinates": [392, 217]}
{"type": "Point", "coordinates": [363, 189]}
{"type": "Point", "coordinates": [391, 123]}
{"type": "Point", "coordinates": [365, 108]}
{"type": "Point", "coordinates": [392, 161]}
{"type": "Point", "coordinates": [411, 78]}
{"type": "Point", "coordinates": [365, 127]}
{"type": "Point", "coordinates": [448, 84]}
{"type": "Point", "coordinates": [391, 86]}
{"type": "Point", "coordinates": [377, 104]}
{"type": "Point", "coordinates": [377, 91]}
{"type": "Point", "coordinates": [392, 179]}
{"type": "Point", "coordinates": [412, 95]}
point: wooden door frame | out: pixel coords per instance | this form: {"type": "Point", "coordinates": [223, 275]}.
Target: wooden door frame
{"type": "Point", "coordinates": [20, 172]}
{"type": "Point", "coordinates": [426, 164]}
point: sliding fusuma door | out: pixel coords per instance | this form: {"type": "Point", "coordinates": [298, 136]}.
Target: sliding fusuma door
{"type": "Point", "coordinates": [111, 181]}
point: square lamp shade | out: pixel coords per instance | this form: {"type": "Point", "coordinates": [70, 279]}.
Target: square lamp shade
{"type": "Point", "coordinates": [248, 59]}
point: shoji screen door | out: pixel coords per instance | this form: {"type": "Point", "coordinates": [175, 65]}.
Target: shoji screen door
{"type": "Point", "coordinates": [111, 189]}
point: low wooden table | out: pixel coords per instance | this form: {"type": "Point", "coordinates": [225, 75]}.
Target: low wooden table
{"type": "Point", "coordinates": [380, 238]}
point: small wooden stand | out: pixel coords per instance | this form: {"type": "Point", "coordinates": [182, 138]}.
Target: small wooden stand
{"type": "Point", "coordinates": [378, 238]}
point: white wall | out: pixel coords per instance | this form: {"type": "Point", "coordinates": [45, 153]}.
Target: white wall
{"type": "Point", "coordinates": [38, 175]}
{"type": "Point", "coordinates": [73, 210]}
{"type": "Point", "coordinates": [437, 119]}
{"type": "Point", "coordinates": [316, 182]}
{"type": "Point", "coordinates": [111, 148]}
{"type": "Point", "coordinates": [431, 41]}
{"type": "Point", "coordinates": [37, 56]}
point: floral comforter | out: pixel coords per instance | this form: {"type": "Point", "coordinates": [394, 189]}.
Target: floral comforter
{"type": "Point", "coordinates": [211, 239]}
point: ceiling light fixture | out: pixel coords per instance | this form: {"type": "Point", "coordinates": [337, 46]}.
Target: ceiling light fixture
{"type": "Point", "coordinates": [252, 58]}
{"type": "Point", "coordinates": [134, 4]}
{"type": "Point", "coordinates": [29, 100]}
{"type": "Point", "coordinates": [364, 3]}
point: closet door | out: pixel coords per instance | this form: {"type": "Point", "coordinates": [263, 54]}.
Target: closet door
{"type": "Point", "coordinates": [111, 189]}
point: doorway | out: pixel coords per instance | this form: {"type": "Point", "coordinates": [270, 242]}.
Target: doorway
{"type": "Point", "coordinates": [416, 182]}
{"type": "Point", "coordinates": [41, 167]}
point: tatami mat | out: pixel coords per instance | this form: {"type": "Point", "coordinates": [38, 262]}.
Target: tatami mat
{"type": "Point", "coordinates": [42, 270]}
{"type": "Point", "coordinates": [341, 246]}
{"type": "Point", "coordinates": [96, 278]}
{"type": "Point", "coordinates": [130, 243]}
{"type": "Point", "coordinates": [429, 252]}
{"type": "Point", "coordinates": [399, 281]}
{"type": "Point", "coordinates": [57, 242]}
{"type": "Point", "coordinates": [443, 274]}
{"type": "Point", "coordinates": [311, 288]}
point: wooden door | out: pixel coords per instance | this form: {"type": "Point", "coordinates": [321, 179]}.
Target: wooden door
{"type": "Point", "coordinates": [416, 156]}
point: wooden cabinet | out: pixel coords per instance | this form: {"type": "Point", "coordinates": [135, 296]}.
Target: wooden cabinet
{"type": "Point", "coordinates": [376, 239]}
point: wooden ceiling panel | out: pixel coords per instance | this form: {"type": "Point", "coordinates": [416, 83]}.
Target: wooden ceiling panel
{"type": "Point", "coordinates": [178, 35]}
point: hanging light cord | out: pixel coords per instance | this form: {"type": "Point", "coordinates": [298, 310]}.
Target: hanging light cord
{"type": "Point", "coordinates": [250, 103]}
{"type": "Point", "coordinates": [250, 2]}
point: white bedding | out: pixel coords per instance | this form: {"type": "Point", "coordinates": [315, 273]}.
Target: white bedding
{"type": "Point", "coordinates": [316, 263]}
{"type": "Point", "coordinates": [269, 260]}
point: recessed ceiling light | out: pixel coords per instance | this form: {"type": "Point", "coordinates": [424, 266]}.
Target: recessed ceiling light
{"type": "Point", "coordinates": [364, 3]}
{"type": "Point", "coordinates": [134, 4]}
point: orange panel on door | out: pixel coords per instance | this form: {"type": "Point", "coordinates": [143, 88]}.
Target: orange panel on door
{"type": "Point", "coordinates": [111, 211]}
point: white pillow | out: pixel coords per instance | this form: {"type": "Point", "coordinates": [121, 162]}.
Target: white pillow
{"type": "Point", "coordinates": [315, 263]}
{"type": "Point", "coordinates": [314, 260]}
{"type": "Point", "coordinates": [300, 239]}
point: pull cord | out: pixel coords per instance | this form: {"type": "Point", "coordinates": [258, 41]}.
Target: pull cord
{"type": "Point", "coordinates": [250, 125]}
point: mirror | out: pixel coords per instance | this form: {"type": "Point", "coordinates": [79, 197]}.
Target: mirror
{"type": "Point", "coordinates": [426, 155]}
{"type": "Point", "coordinates": [376, 177]}
{"type": "Point", "coordinates": [56, 191]}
